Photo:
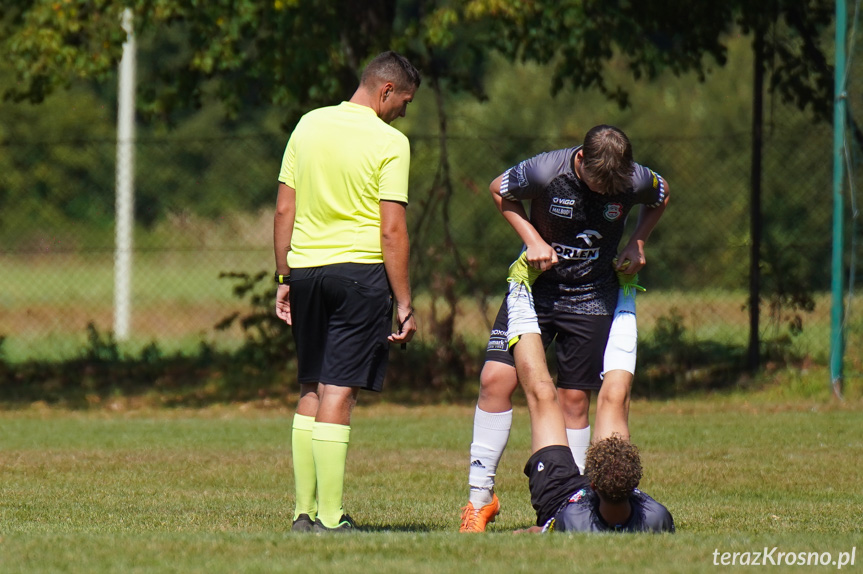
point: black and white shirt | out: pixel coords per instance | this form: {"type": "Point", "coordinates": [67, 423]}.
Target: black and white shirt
{"type": "Point", "coordinates": [583, 227]}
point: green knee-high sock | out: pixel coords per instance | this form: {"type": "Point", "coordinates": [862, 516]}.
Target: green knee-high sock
{"type": "Point", "coordinates": [305, 481]}
{"type": "Point", "coordinates": [330, 447]}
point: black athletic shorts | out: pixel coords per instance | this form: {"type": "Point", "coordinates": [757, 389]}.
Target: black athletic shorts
{"type": "Point", "coordinates": [552, 477]}
{"type": "Point", "coordinates": [342, 315]}
{"type": "Point", "coordinates": [580, 342]}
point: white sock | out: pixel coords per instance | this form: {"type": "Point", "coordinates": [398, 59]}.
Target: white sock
{"type": "Point", "coordinates": [490, 435]}
{"type": "Point", "coordinates": [579, 440]}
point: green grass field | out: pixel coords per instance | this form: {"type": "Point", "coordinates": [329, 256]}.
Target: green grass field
{"type": "Point", "coordinates": [125, 490]}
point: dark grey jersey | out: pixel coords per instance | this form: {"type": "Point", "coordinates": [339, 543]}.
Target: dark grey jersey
{"type": "Point", "coordinates": [581, 514]}
{"type": "Point", "coordinates": [583, 227]}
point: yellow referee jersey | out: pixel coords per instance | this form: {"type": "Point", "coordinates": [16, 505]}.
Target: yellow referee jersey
{"type": "Point", "coordinates": [342, 161]}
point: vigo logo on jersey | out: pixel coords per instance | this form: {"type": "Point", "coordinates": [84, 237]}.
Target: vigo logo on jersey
{"type": "Point", "coordinates": [588, 253]}
{"type": "Point", "coordinates": [561, 207]}
{"type": "Point", "coordinates": [612, 211]}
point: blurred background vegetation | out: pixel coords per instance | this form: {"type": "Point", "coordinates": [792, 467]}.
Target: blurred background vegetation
{"type": "Point", "coordinates": [220, 86]}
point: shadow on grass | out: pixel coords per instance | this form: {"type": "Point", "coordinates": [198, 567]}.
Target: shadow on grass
{"type": "Point", "coordinates": [397, 528]}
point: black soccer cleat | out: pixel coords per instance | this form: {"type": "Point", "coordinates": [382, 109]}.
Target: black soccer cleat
{"type": "Point", "coordinates": [346, 524]}
{"type": "Point", "coordinates": [303, 523]}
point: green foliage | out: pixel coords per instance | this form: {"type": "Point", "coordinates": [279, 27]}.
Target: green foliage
{"type": "Point", "coordinates": [100, 348]}
{"type": "Point", "coordinates": [49, 185]}
{"type": "Point", "coordinates": [583, 40]}
{"type": "Point", "coordinates": [673, 363]}
{"type": "Point", "coordinates": [268, 343]}
{"type": "Point", "coordinates": [52, 44]}
{"type": "Point", "coordinates": [294, 55]}
{"type": "Point", "coordinates": [4, 366]}
{"type": "Point", "coordinates": [303, 54]}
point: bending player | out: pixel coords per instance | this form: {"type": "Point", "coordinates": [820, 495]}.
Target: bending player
{"type": "Point", "coordinates": [565, 500]}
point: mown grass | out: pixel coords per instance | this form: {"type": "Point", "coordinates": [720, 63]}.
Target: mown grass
{"type": "Point", "coordinates": [210, 490]}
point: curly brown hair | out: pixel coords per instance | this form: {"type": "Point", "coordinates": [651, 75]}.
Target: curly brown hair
{"type": "Point", "coordinates": [614, 468]}
{"type": "Point", "coordinates": [607, 159]}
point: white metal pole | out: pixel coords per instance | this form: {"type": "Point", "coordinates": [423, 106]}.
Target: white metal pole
{"type": "Point", "coordinates": [125, 183]}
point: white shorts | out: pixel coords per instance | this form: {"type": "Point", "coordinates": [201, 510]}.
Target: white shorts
{"type": "Point", "coordinates": [521, 314]}
{"type": "Point", "coordinates": [623, 337]}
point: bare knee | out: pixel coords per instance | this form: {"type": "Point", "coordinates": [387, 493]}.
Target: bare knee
{"type": "Point", "coordinates": [541, 391]}
{"type": "Point", "coordinates": [336, 404]}
{"type": "Point", "coordinates": [497, 382]}
{"type": "Point", "coordinates": [615, 390]}
{"type": "Point", "coordinates": [575, 403]}
{"type": "Point", "coordinates": [309, 400]}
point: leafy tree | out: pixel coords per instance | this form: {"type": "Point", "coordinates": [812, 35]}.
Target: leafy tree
{"type": "Point", "coordinates": [300, 53]}
{"type": "Point", "coordinates": [583, 38]}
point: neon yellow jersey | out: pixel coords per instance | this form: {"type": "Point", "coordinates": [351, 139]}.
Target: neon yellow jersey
{"type": "Point", "coordinates": [342, 161]}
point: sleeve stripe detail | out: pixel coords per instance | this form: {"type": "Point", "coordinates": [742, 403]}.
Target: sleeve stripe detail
{"type": "Point", "coordinates": [661, 183]}
{"type": "Point", "coordinates": [504, 187]}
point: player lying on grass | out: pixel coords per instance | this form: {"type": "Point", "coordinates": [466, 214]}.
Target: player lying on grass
{"type": "Point", "coordinates": [565, 500]}
{"type": "Point", "coordinates": [606, 499]}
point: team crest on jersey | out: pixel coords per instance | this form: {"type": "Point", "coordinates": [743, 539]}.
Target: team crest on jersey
{"type": "Point", "coordinates": [612, 211]}
{"type": "Point", "coordinates": [577, 496]}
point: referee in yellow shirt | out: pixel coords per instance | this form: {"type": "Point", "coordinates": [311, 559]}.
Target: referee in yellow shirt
{"type": "Point", "coordinates": [341, 245]}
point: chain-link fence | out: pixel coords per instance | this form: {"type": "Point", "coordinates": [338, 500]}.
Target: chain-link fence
{"type": "Point", "coordinates": [204, 207]}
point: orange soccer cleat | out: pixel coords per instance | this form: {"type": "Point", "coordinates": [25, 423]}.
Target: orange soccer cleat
{"type": "Point", "coordinates": [473, 520]}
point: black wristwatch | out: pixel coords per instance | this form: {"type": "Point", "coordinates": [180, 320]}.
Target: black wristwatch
{"type": "Point", "coordinates": [283, 279]}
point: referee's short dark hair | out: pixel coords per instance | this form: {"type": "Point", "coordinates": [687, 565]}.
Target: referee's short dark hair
{"type": "Point", "coordinates": [391, 67]}
{"type": "Point", "coordinates": [607, 159]}
{"type": "Point", "coordinates": [613, 466]}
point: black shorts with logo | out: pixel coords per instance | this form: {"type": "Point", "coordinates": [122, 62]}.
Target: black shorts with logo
{"type": "Point", "coordinates": [552, 477]}
{"type": "Point", "coordinates": [342, 315]}
{"type": "Point", "coordinates": [580, 341]}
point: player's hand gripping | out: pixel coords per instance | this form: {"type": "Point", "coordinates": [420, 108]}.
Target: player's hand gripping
{"type": "Point", "coordinates": [407, 325]}
{"type": "Point", "coordinates": [541, 256]}
{"type": "Point", "coordinates": [633, 253]}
